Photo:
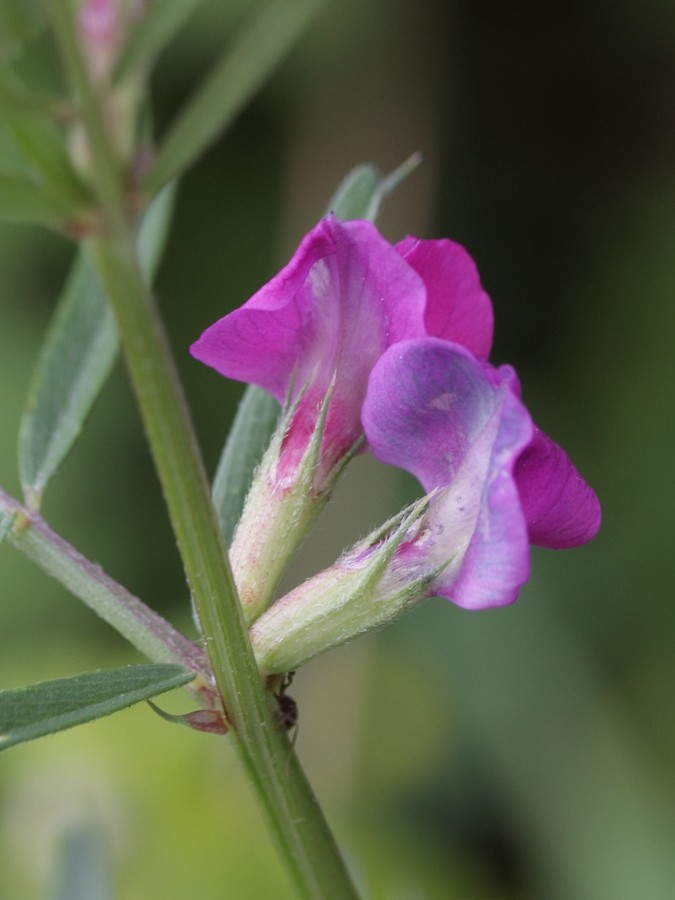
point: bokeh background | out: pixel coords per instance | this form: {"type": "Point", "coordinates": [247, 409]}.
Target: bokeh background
{"type": "Point", "coordinates": [524, 753]}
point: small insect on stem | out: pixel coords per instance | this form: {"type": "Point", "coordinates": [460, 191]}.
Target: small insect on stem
{"type": "Point", "coordinates": [288, 708]}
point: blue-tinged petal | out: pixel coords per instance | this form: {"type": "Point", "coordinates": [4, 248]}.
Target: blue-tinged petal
{"type": "Point", "coordinates": [459, 426]}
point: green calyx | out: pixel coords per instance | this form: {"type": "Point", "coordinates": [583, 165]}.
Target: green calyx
{"type": "Point", "coordinates": [279, 512]}
{"type": "Point", "coordinates": [367, 588]}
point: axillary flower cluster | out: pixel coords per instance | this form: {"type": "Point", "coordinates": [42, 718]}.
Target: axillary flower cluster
{"type": "Point", "coordinates": [380, 347]}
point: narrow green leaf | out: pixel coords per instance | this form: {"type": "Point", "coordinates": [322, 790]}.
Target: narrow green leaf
{"type": "Point", "coordinates": [155, 229]}
{"type": "Point", "coordinates": [24, 199]}
{"type": "Point", "coordinates": [160, 23]}
{"type": "Point", "coordinates": [363, 190]}
{"type": "Point", "coordinates": [233, 81]}
{"type": "Point", "coordinates": [354, 195]}
{"type": "Point", "coordinates": [137, 623]}
{"type": "Point", "coordinates": [42, 146]}
{"type": "Point", "coordinates": [76, 359]}
{"type": "Point", "coordinates": [31, 712]}
{"type": "Point", "coordinates": [253, 425]}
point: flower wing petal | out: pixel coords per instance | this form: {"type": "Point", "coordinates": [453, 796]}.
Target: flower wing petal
{"type": "Point", "coordinates": [435, 410]}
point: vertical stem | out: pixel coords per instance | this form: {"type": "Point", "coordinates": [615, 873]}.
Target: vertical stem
{"type": "Point", "coordinates": [296, 821]}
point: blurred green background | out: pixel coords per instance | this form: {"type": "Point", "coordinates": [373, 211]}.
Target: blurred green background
{"type": "Point", "coordinates": [522, 753]}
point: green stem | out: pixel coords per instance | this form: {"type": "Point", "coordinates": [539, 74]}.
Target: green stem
{"type": "Point", "coordinates": [296, 820]}
{"type": "Point", "coordinates": [140, 625]}
{"type": "Point", "coordinates": [293, 814]}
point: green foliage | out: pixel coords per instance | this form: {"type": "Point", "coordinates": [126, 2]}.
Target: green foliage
{"type": "Point", "coordinates": [154, 230]}
{"type": "Point", "coordinates": [159, 24]}
{"type": "Point", "coordinates": [39, 709]}
{"type": "Point", "coordinates": [37, 180]}
{"type": "Point", "coordinates": [20, 22]}
{"type": "Point", "coordinates": [42, 148]}
{"type": "Point", "coordinates": [25, 199]}
{"type": "Point", "coordinates": [363, 191]}
{"type": "Point", "coordinates": [256, 51]}
{"type": "Point", "coordinates": [76, 359]}
{"type": "Point", "coordinates": [15, 97]}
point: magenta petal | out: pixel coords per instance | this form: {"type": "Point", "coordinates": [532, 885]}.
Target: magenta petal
{"type": "Point", "coordinates": [435, 410]}
{"type": "Point", "coordinates": [323, 320]}
{"type": "Point", "coordinates": [458, 309]}
{"type": "Point", "coordinates": [344, 296]}
{"type": "Point", "coordinates": [560, 508]}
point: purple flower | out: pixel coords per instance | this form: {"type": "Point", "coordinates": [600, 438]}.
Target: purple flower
{"type": "Point", "coordinates": [322, 323]}
{"type": "Point", "coordinates": [459, 426]}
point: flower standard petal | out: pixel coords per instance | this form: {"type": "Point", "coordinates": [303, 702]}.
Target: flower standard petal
{"type": "Point", "coordinates": [458, 309]}
{"type": "Point", "coordinates": [323, 320]}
